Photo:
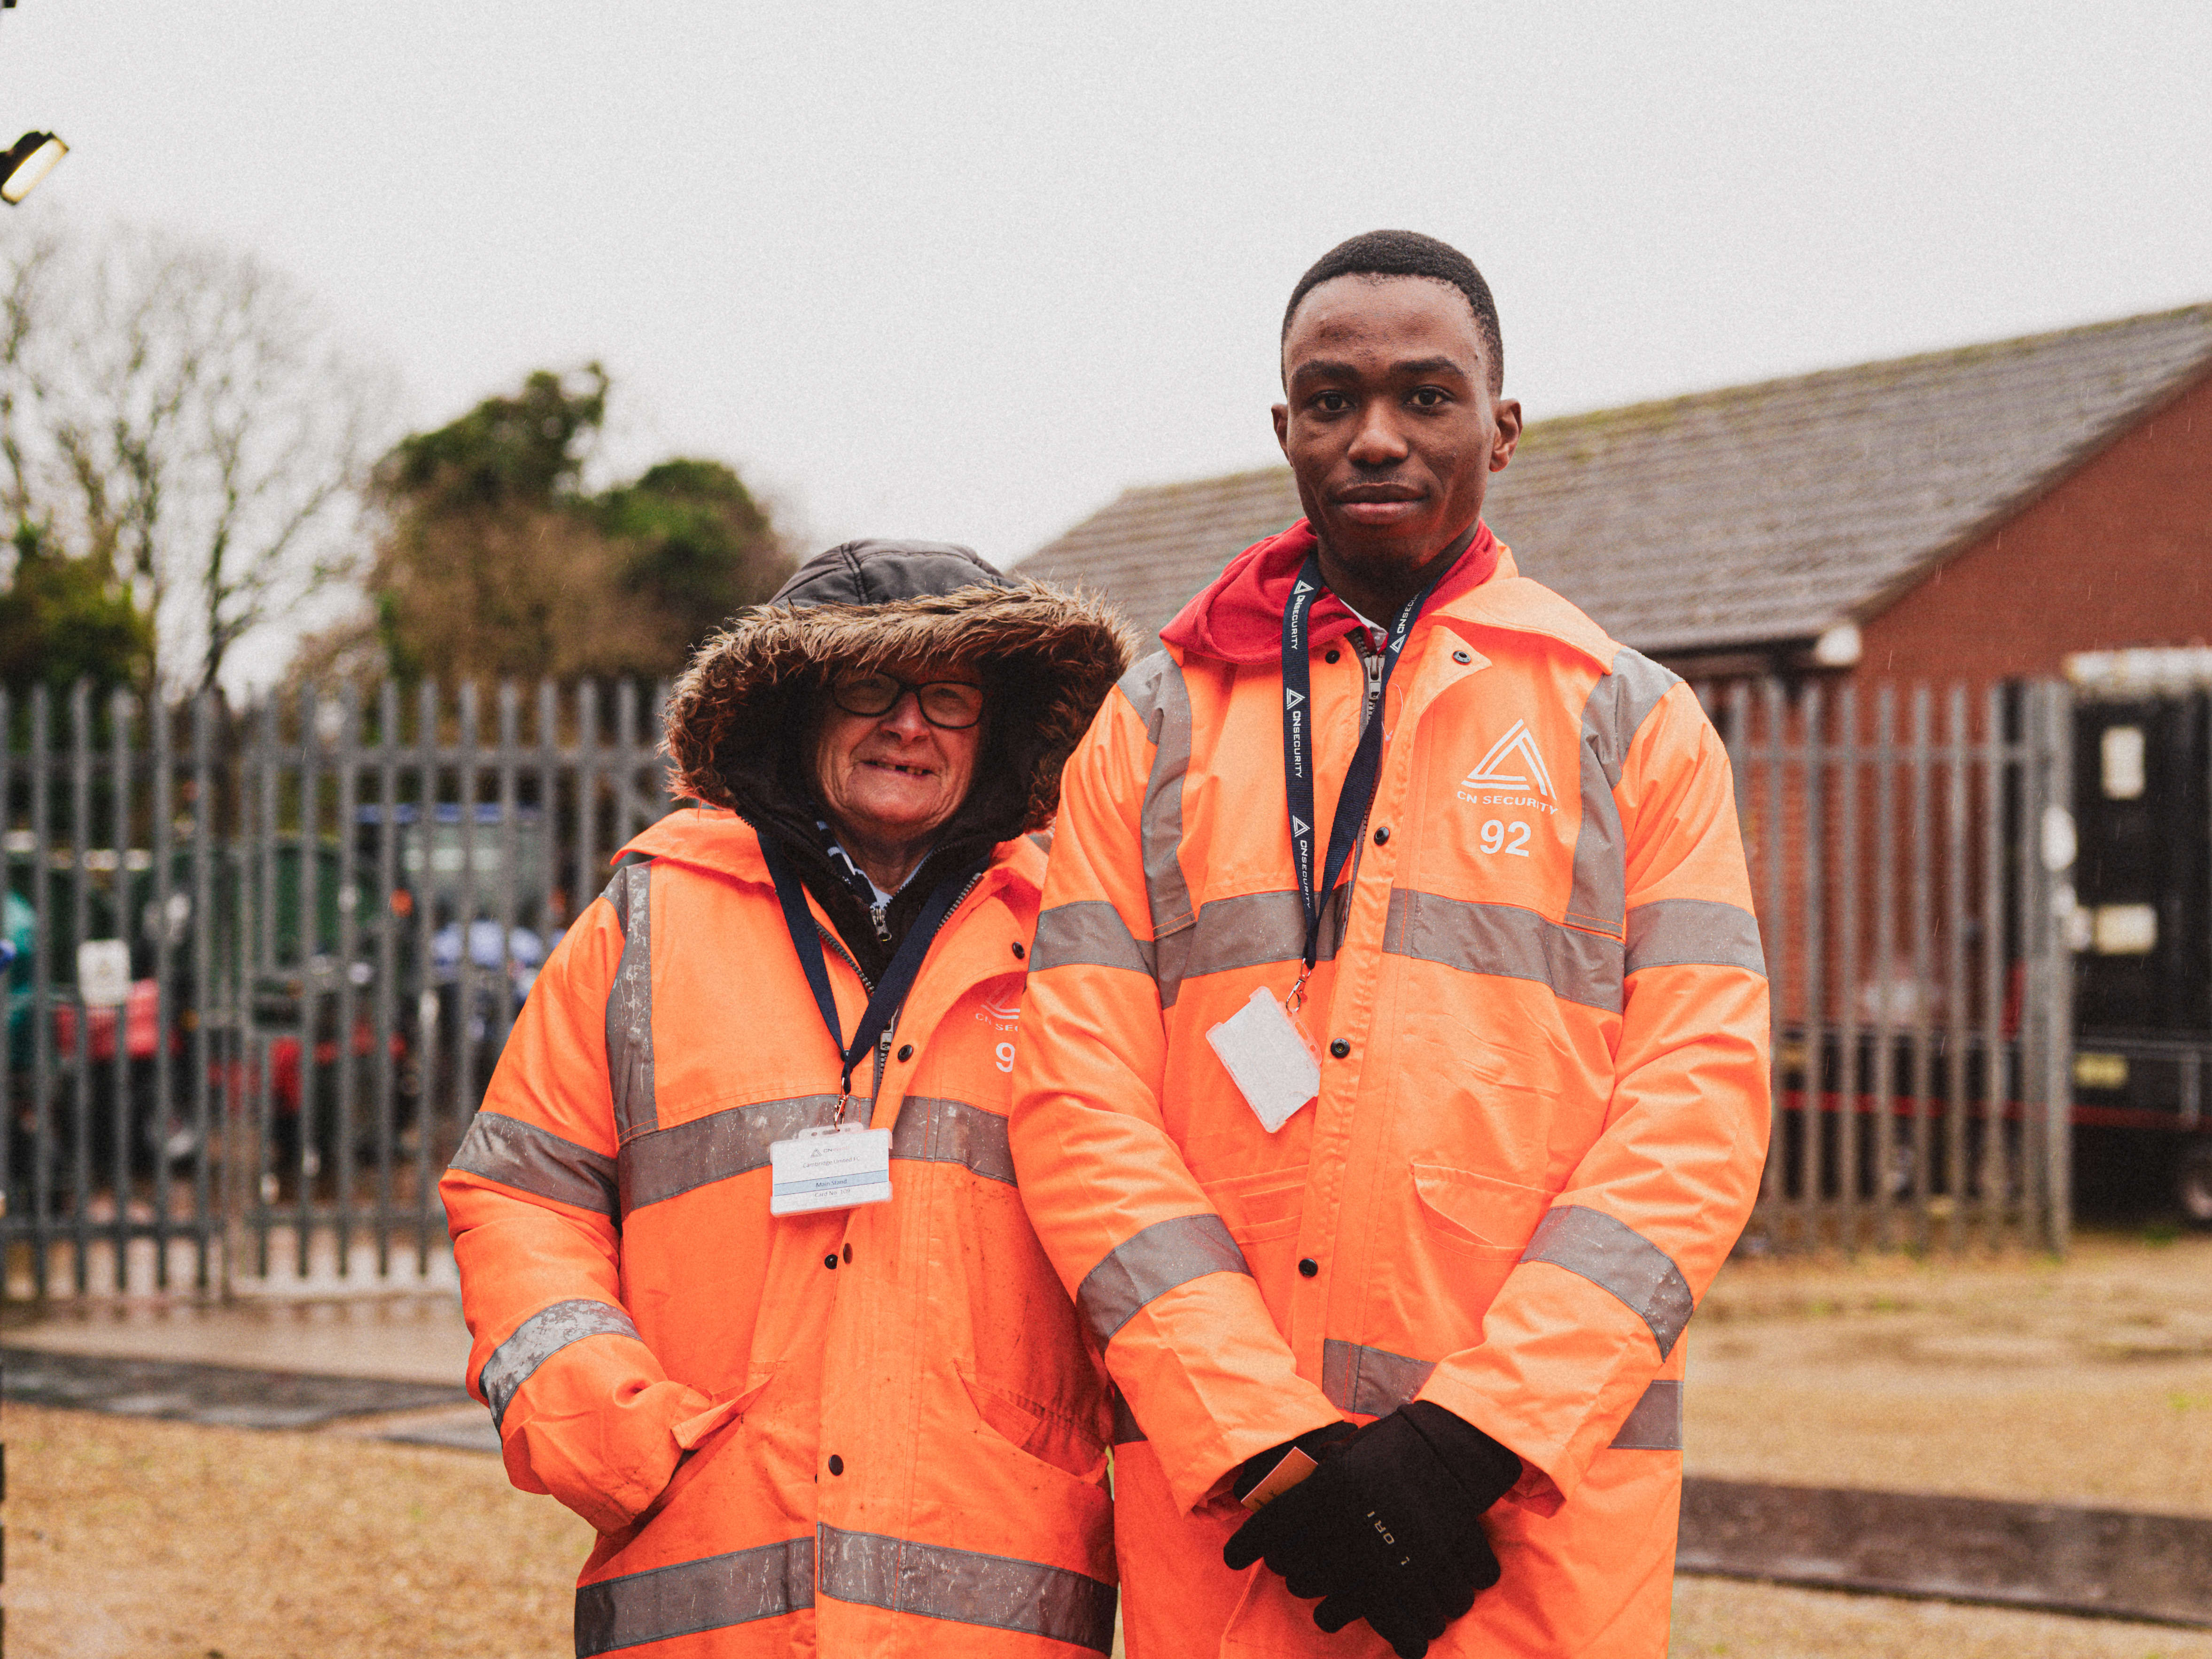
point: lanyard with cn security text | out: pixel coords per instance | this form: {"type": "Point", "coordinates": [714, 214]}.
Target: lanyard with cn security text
{"type": "Point", "coordinates": [898, 979]}
{"type": "Point", "coordinates": [1360, 778]}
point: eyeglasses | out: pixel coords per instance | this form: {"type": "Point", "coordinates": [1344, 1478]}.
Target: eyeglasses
{"type": "Point", "coordinates": [950, 705]}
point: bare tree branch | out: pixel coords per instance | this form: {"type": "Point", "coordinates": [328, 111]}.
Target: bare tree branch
{"type": "Point", "coordinates": [186, 416]}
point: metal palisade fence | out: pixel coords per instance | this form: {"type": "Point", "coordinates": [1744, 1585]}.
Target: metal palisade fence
{"type": "Point", "coordinates": [1911, 852]}
{"type": "Point", "coordinates": [261, 963]}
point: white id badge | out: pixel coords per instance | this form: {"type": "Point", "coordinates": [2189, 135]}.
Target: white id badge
{"type": "Point", "coordinates": [1271, 1061]}
{"type": "Point", "coordinates": [830, 1168]}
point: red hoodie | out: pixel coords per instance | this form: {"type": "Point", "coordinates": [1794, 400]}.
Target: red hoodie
{"type": "Point", "coordinates": [1238, 616]}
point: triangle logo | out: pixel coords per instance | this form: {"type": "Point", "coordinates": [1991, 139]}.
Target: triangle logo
{"type": "Point", "coordinates": [1513, 762]}
{"type": "Point", "coordinates": [1298, 825]}
{"type": "Point", "coordinates": [1293, 699]}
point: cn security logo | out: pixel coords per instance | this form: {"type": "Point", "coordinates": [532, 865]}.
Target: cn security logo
{"type": "Point", "coordinates": [1513, 762]}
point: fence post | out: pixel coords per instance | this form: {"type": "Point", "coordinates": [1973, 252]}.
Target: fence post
{"type": "Point", "coordinates": [1775, 1185]}
{"type": "Point", "coordinates": [1812, 1068]}
{"type": "Point", "coordinates": [1847, 971]}
{"type": "Point", "coordinates": [2060, 845]}
{"type": "Point", "coordinates": [1997, 1087]}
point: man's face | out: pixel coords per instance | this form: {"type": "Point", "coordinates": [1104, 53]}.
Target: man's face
{"type": "Point", "coordinates": [1389, 423]}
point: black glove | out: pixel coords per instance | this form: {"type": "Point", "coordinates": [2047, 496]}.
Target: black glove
{"type": "Point", "coordinates": [1387, 1528]}
{"type": "Point", "coordinates": [1313, 1442]}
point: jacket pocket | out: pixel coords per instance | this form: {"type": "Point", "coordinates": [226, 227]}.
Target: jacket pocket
{"type": "Point", "coordinates": [1257, 1209]}
{"type": "Point", "coordinates": [1479, 1215]}
{"type": "Point", "coordinates": [1049, 1436]}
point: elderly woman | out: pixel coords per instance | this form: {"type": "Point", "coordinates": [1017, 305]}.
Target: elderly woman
{"type": "Point", "coordinates": [750, 1284]}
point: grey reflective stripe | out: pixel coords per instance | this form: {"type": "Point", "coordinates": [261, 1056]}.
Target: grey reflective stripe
{"type": "Point", "coordinates": [734, 1142]}
{"type": "Point", "coordinates": [1245, 930]}
{"type": "Point", "coordinates": [537, 1339]}
{"type": "Point", "coordinates": [765, 1582]}
{"type": "Point", "coordinates": [933, 1131]}
{"type": "Point", "coordinates": [1371, 1381]}
{"type": "Point", "coordinates": [1151, 1263]}
{"type": "Point", "coordinates": [674, 1160]}
{"type": "Point", "coordinates": [1616, 708]}
{"type": "Point", "coordinates": [1673, 932]}
{"type": "Point", "coordinates": [1127, 1430]}
{"type": "Point", "coordinates": [1250, 930]}
{"type": "Point", "coordinates": [1615, 1257]}
{"type": "Point", "coordinates": [537, 1161]}
{"type": "Point", "coordinates": [933, 1581]}
{"type": "Point", "coordinates": [630, 1004]}
{"type": "Point", "coordinates": [1088, 931]}
{"type": "Point", "coordinates": [1656, 1422]}
{"type": "Point", "coordinates": [1156, 690]}
{"type": "Point", "coordinates": [1506, 940]}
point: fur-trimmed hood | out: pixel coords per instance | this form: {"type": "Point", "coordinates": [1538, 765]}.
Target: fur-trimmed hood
{"type": "Point", "coordinates": [736, 724]}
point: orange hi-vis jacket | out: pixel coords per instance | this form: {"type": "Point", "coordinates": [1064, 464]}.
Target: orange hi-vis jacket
{"type": "Point", "coordinates": [886, 1430]}
{"type": "Point", "coordinates": [1543, 1014]}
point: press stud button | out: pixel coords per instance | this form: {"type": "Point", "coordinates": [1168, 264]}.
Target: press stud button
{"type": "Point", "coordinates": [829, 1261]}
{"type": "Point", "coordinates": [906, 1051]}
{"type": "Point", "coordinates": [1462, 656]}
{"type": "Point", "coordinates": [1339, 1048]}
{"type": "Point", "coordinates": [1309, 1267]}
{"type": "Point", "coordinates": [1332, 655]}
{"type": "Point", "coordinates": [848, 1253]}
{"type": "Point", "coordinates": [1382, 833]}
{"type": "Point", "coordinates": [836, 1464]}
{"type": "Point", "coordinates": [1021, 951]}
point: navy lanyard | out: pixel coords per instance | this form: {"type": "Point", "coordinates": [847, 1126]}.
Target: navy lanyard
{"type": "Point", "coordinates": [1360, 778]}
{"type": "Point", "coordinates": [898, 979]}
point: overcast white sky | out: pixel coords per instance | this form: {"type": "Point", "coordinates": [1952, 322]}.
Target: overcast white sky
{"type": "Point", "coordinates": [967, 271]}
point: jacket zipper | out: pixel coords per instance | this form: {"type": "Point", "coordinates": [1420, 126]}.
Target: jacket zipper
{"type": "Point", "coordinates": [1373, 659]}
{"type": "Point", "coordinates": [1363, 643]}
{"type": "Point", "coordinates": [838, 944]}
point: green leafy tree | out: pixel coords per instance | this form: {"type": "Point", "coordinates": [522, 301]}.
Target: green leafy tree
{"type": "Point", "coordinates": [63, 619]}
{"type": "Point", "coordinates": [699, 547]}
{"type": "Point", "coordinates": [523, 451]}
{"type": "Point", "coordinates": [493, 562]}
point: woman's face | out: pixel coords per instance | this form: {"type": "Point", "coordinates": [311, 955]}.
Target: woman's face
{"type": "Point", "coordinates": [894, 776]}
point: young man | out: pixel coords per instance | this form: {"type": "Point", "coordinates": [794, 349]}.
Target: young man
{"type": "Point", "coordinates": [1393, 1075]}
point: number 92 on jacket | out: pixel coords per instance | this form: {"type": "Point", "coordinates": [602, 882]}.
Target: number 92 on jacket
{"type": "Point", "coordinates": [836, 1167]}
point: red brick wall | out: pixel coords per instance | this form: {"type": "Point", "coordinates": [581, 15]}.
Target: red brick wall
{"type": "Point", "coordinates": [2118, 555]}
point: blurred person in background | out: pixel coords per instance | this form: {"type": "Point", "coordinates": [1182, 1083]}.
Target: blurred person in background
{"type": "Point", "coordinates": [1387, 1201]}
{"type": "Point", "coordinates": [750, 1284]}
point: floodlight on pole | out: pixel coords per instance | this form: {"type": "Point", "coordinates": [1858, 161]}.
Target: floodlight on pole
{"type": "Point", "coordinates": [34, 157]}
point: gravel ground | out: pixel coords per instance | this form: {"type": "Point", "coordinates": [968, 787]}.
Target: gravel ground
{"type": "Point", "coordinates": [2088, 1382]}
{"type": "Point", "coordinates": [1717, 1617]}
{"type": "Point", "coordinates": [131, 1540]}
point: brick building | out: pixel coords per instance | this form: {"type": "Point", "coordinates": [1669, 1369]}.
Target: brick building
{"type": "Point", "coordinates": [1976, 514]}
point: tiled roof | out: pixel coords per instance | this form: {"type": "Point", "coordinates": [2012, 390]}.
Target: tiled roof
{"type": "Point", "coordinates": [1751, 515]}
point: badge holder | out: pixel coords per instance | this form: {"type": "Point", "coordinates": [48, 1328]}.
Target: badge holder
{"type": "Point", "coordinates": [1267, 1054]}
{"type": "Point", "coordinates": [832, 1166]}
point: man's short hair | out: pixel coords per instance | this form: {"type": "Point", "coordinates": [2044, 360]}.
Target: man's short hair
{"type": "Point", "coordinates": [1409, 253]}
